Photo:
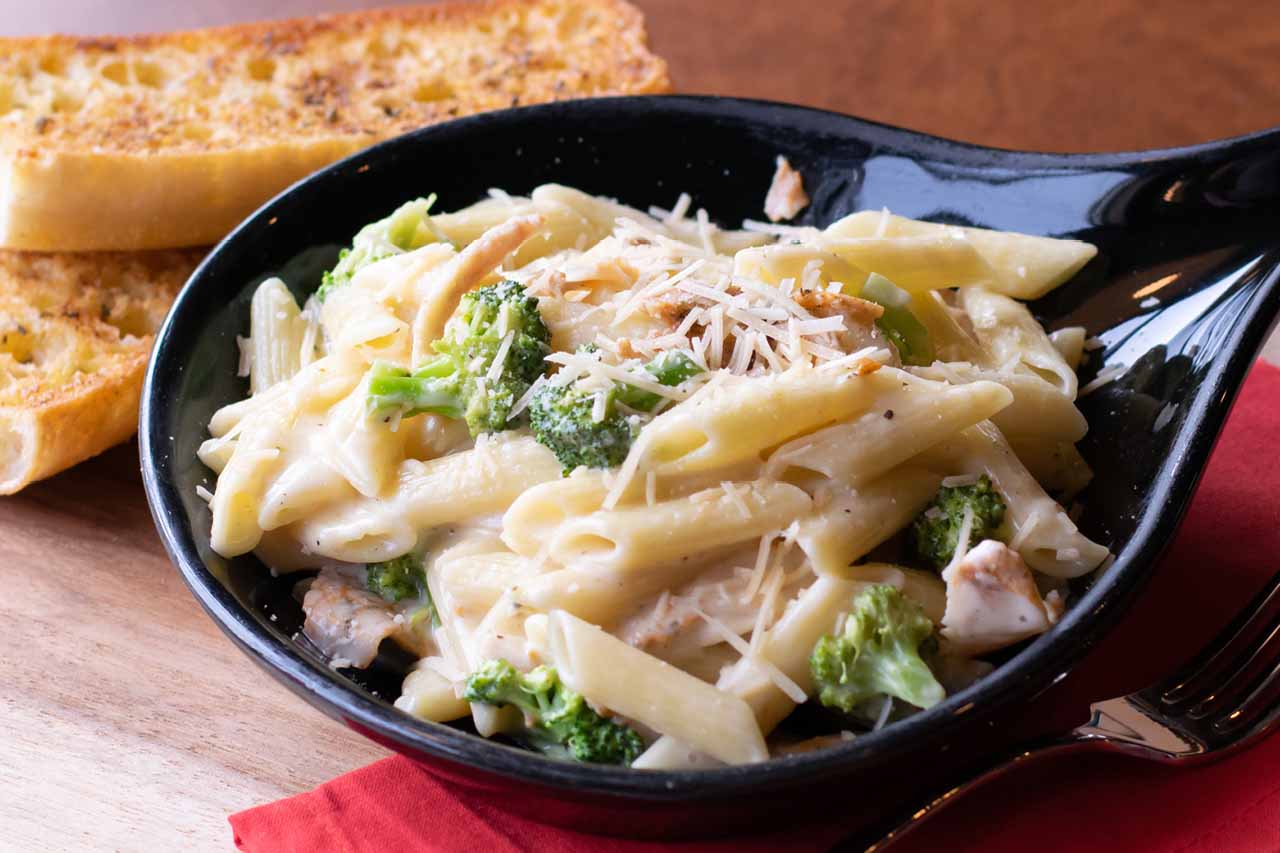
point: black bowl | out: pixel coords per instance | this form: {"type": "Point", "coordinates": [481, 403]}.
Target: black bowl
{"type": "Point", "coordinates": [1182, 293]}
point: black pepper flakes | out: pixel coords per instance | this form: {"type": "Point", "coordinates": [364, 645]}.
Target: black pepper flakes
{"type": "Point", "coordinates": [888, 414]}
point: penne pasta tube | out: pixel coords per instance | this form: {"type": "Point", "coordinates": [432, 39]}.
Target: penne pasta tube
{"type": "Point", "coordinates": [916, 264]}
{"type": "Point", "coordinates": [314, 388]}
{"type": "Point", "coordinates": [1056, 465]}
{"type": "Point", "coordinates": [459, 646]}
{"type": "Point", "coordinates": [477, 581]}
{"type": "Point", "coordinates": [952, 342]}
{"type": "Point", "coordinates": [437, 492]}
{"type": "Point", "coordinates": [602, 597]}
{"type": "Point", "coordinates": [428, 695]}
{"type": "Point", "coordinates": [243, 481]}
{"type": "Point", "coordinates": [364, 450]}
{"type": "Point", "coordinates": [1028, 266]}
{"type": "Point", "coordinates": [632, 538]}
{"type": "Point", "coordinates": [1040, 411]}
{"type": "Point", "coordinates": [536, 514]}
{"type": "Point", "coordinates": [276, 329]}
{"type": "Point", "coordinates": [912, 417]}
{"type": "Point", "coordinates": [853, 522]}
{"type": "Point", "coordinates": [774, 264]}
{"type": "Point", "coordinates": [639, 686]}
{"type": "Point", "coordinates": [740, 419]}
{"type": "Point", "coordinates": [1069, 342]}
{"type": "Point", "coordinates": [1011, 335]}
{"type": "Point", "coordinates": [480, 481]}
{"type": "Point", "coordinates": [304, 485]}
{"type": "Point", "coordinates": [215, 453]}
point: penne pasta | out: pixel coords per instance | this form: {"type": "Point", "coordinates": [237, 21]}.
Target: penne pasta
{"type": "Point", "coordinates": [910, 417]}
{"type": "Point", "coordinates": [852, 522]}
{"type": "Point", "coordinates": [1029, 266]}
{"type": "Point", "coordinates": [276, 329]}
{"type": "Point", "coordinates": [1010, 335]}
{"type": "Point", "coordinates": [607, 473]}
{"type": "Point", "coordinates": [641, 687]}
{"type": "Point", "coordinates": [915, 264]}
{"type": "Point", "coordinates": [629, 539]}
{"type": "Point", "coordinates": [740, 420]}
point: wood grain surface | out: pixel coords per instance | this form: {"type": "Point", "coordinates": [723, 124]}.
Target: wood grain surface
{"type": "Point", "coordinates": [127, 722]}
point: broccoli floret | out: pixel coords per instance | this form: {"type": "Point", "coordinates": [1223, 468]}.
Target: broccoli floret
{"type": "Point", "coordinates": [936, 531]}
{"type": "Point", "coordinates": [400, 578]}
{"type": "Point", "coordinates": [558, 721]}
{"type": "Point", "coordinates": [396, 579]}
{"type": "Point", "coordinates": [897, 322]}
{"type": "Point", "coordinates": [878, 654]}
{"type": "Point", "coordinates": [563, 418]}
{"type": "Point", "coordinates": [669, 368]}
{"type": "Point", "coordinates": [408, 228]}
{"type": "Point", "coordinates": [456, 382]}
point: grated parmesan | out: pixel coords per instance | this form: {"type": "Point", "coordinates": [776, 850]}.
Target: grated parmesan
{"type": "Point", "coordinates": [735, 497]}
{"type": "Point", "coordinates": [779, 678]}
{"type": "Point", "coordinates": [585, 364]}
{"type": "Point", "coordinates": [500, 357]}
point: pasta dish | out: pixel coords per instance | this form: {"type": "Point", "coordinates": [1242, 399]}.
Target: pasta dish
{"type": "Point", "coordinates": [632, 487]}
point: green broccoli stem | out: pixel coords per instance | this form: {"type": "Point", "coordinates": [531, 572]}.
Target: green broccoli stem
{"type": "Point", "coordinates": [424, 391]}
{"type": "Point", "coordinates": [898, 323]}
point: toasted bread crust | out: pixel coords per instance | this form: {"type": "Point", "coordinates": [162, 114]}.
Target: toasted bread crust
{"type": "Point", "coordinates": [75, 333]}
{"type": "Point", "coordinates": [169, 140]}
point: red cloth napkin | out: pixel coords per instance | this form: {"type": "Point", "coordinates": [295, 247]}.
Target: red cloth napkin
{"type": "Point", "coordinates": [1225, 551]}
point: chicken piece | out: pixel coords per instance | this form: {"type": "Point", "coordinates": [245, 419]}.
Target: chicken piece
{"type": "Point", "coordinates": [674, 305]}
{"type": "Point", "coordinates": [443, 286]}
{"type": "Point", "coordinates": [673, 618]}
{"type": "Point", "coordinates": [860, 315]}
{"type": "Point", "coordinates": [347, 622]}
{"type": "Point", "coordinates": [992, 601]}
{"type": "Point", "coordinates": [786, 196]}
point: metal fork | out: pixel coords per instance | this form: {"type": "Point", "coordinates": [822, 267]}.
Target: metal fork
{"type": "Point", "coordinates": [1224, 699]}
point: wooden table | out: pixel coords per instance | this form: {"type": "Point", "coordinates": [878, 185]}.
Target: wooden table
{"type": "Point", "coordinates": [127, 722]}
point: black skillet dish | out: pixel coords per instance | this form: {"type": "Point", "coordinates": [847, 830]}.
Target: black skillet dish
{"type": "Point", "coordinates": [1182, 293]}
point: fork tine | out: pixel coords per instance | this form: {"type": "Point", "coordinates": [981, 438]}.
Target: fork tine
{"type": "Point", "coordinates": [1189, 680]}
{"type": "Point", "coordinates": [1224, 682]}
{"type": "Point", "coordinates": [1239, 714]}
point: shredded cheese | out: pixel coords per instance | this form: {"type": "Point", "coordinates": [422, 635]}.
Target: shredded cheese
{"type": "Point", "coordinates": [779, 678]}
{"type": "Point", "coordinates": [734, 494]}
{"type": "Point", "coordinates": [500, 357]}
{"type": "Point", "coordinates": [584, 363]}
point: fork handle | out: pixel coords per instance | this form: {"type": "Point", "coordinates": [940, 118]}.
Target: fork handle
{"type": "Point", "coordinates": [881, 834]}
